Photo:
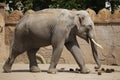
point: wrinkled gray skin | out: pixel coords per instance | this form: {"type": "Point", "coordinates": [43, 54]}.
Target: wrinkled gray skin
{"type": "Point", "coordinates": [56, 27]}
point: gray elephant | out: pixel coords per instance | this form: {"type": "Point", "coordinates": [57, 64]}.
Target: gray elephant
{"type": "Point", "coordinates": [57, 27]}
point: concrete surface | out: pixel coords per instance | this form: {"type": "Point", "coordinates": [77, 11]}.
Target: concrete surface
{"type": "Point", "coordinates": [21, 72]}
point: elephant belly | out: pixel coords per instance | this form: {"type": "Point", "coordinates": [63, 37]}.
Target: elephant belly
{"type": "Point", "coordinates": [36, 41]}
{"type": "Point", "coordinates": [41, 43]}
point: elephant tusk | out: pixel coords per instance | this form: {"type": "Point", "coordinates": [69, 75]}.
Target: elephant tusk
{"type": "Point", "coordinates": [97, 44]}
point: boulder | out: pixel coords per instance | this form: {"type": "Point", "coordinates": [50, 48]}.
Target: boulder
{"type": "Point", "coordinates": [2, 22]}
{"type": "Point", "coordinates": [29, 12]}
{"type": "Point", "coordinates": [116, 16]}
{"type": "Point", "coordinates": [103, 16]}
{"type": "Point", "coordinates": [91, 13]}
{"type": "Point", "coordinates": [14, 17]}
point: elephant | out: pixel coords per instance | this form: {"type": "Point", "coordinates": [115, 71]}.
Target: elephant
{"type": "Point", "coordinates": [56, 27]}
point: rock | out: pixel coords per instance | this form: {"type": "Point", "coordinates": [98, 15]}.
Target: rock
{"type": "Point", "coordinates": [112, 70]}
{"type": "Point", "coordinates": [108, 71]}
{"type": "Point", "coordinates": [2, 22]}
{"type": "Point", "coordinates": [77, 69]}
{"type": "Point", "coordinates": [91, 13]}
{"type": "Point", "coordinates": [99, 73]}
{"type": "Point", "coordinates": [96, 67]}
{"type": "Point", "coordinates": [6, 15]}
{"type": "Point", "coordinates": [62, 69]}
{"type": "Point", "coordinates": [2, 9]}
{"type": "Point", "coordinates": [71, 69]}
{"type": "Point", "coordinates": [103, 16]}
{"type": "Point", "coordinates": [116, 16]}
{"type": "Point", "coordinates": [14, 17]}
{"type": "Point", "coordinates": [74, 9]}
{"type": "Point", "coordinates": [102, 69]}
{"type": "Point", "coordinates": [29, 12]}
{"type": "Point", "coordinates": [96, 70]}
{"type": "Point", "coordinates": [2, 5]}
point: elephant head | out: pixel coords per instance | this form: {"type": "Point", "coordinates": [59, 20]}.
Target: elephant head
{"type": "Point", "coordinates": [85, 30]}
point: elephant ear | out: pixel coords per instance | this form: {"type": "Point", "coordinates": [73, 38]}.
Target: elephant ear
{"type": "Point", "coordinates": [77, 21]}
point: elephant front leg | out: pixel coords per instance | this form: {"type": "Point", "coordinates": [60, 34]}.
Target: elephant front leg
{"type": "Point", "coordinates": [57, 49]}
{"type": "Point", "coordinates": [73, 47]}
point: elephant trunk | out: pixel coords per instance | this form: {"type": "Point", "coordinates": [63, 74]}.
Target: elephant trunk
{"type": "Point", "coordinates": [95, 54]}
{"type": "Point", "coordinates": [94, 49]}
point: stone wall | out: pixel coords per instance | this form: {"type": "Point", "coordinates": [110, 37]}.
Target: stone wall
{"type": "Point", "coordinates": [3, 47]}
{"type": "Point", "coordinates": [107, 28]}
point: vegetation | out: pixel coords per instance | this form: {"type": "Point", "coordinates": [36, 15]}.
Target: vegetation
{"type": "Point", "coordinates": [68, 4]}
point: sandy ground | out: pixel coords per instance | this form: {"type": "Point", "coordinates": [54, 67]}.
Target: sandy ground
{"type": "Point", "coordinates": [21, 72]}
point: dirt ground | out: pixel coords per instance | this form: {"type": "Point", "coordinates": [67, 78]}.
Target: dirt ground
{"type": "Point", "coordinates": [21, 71]}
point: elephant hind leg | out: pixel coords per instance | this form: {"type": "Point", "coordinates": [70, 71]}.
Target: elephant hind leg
{"type": "Point", "coordinates": [32, 59]}
{"type": "Point", "coordinates": [8, 64]}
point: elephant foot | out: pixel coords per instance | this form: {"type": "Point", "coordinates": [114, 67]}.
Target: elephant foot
{"type": "Point", "coordinates": [85, 71]}
{"type": "Point", "coordinates": [7, 68]}
{"type": "Point", "coordinates": [34, 69]}
{"type": "Point", "coordinates": [97, 67]}
{"type": "Point", "coordinates": [52, 71]}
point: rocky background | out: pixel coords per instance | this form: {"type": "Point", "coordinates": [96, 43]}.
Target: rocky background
{"type": "Point", "coordinates": [107, 28]}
